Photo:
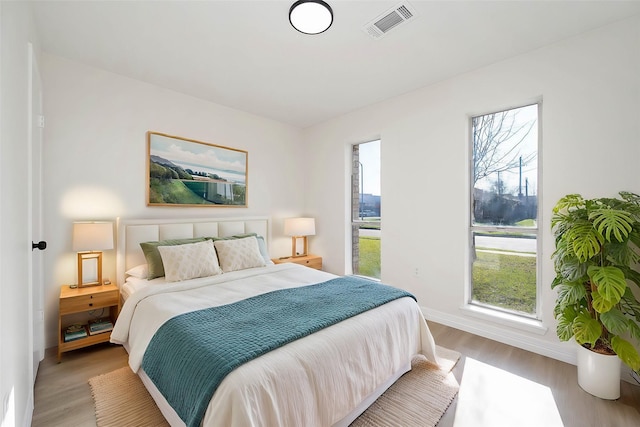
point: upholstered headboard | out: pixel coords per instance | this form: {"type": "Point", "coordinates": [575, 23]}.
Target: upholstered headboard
{"type": "Point", "coordinates": [132, 232]}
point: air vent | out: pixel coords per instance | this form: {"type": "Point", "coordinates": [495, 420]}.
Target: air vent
{"type": "Point", "coordinates": [389, 20]}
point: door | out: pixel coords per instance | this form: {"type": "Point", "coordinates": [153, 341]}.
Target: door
{"type": "Point", "coordinates": [36, 288]}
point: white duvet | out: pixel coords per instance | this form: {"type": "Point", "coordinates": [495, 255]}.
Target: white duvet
{"type": "Point", "coordinates": [314, 381]}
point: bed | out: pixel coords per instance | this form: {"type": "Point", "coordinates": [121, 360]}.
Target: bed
{"type": "Point", "coordinates": [325, 377]}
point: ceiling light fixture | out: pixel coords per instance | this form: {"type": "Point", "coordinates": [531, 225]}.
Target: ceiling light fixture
{"type": "Point", "coordinates": [311, 16]}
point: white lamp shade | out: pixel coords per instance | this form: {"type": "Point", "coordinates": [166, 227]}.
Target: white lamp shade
{"type": "Point", "coordinates": [92, 236]}
{"type": "Point", "coordinates": [300, 227]}
{"type": "Point", "coordinates": [311, 16]}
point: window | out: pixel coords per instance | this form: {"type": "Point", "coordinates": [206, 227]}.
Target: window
{"type": "Point", "coordinates": [365, 209]}
{"type": "Point", "coordinates": [504, 211]}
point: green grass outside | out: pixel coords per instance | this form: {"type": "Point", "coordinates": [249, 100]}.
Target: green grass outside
{"type": "Point", "coordinates": [506, 281]}
{"type": "Point", "coordinates": [369, 264]}
{"type": "Point", "coordinates": [499, 279]}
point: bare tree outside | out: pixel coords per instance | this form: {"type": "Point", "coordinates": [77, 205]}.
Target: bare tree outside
{"type": "Point", "coordinates": [504, 169]}
{"type": "Point", "coordinates": [498, 140]}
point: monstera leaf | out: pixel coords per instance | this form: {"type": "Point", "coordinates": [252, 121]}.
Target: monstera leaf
{"type": "Point", "coordinates": [608, 221]}
{"type": "Point", "coordinates": [568, 202]}
{"type": "Point", "coordinates": [625, 351]}
{"type": "Point", "coordinates": [615, 321]}
{"type": "Point", "coordinates": [586, 240]}
{"type": "Point", "coordinates": [634, 329]}
{"type": "Point", "coordinates": [570, 293]}
{"type": "Point", "coordinates": [586, 329]}
{"type": "Point", "coordinates": [565, 323]}
{"type": "Point", "coordinates": [611, 285]}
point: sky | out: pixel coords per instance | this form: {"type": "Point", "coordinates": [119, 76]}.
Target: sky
{"type": "Point", "coordinates": [530, 144]}
{"type": "Point", "coordinates": [370, 159]}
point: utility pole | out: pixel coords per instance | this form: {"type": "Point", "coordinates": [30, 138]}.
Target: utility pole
{"type": "Point", "coordinates": [520, 180]}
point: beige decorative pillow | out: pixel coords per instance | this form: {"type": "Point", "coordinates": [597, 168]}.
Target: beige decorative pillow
{"type": "Point", "coordinates": [189, 261]}
{"type": "Point", "coordinates": [238, 254]}
{"type": "Point", "coordinates": [151, 253]}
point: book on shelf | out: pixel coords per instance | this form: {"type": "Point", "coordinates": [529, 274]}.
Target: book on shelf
{"type": "Point", "coordinates": [74, 332]}
{"type": "Point", "coordinates": [100, 326]}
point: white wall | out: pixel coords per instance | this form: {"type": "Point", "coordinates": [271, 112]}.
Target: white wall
{"type": "Point", "coordinates": [95, 151]}
{"type": "Point", "coordinates": [590, 87]}
{"type": "Point", "coordinates": [16, 392]}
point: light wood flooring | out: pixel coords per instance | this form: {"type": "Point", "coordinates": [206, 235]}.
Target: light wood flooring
{"type": "Point", "coordinates": [63, 396]}
{"type": "Point", "coordinates": [576, 407]}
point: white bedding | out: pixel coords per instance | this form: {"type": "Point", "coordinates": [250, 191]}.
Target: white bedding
{"type": "Point", "coordinates": [135, 284]}
{"type": "Point", "coordinates": [314, 381]}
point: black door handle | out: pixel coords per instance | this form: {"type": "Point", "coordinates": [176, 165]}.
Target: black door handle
{"type": "Point", "coordinates": [42, 245]}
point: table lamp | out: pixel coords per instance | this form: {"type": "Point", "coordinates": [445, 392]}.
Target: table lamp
{"type": "Point", "coordinates": [299, 228]}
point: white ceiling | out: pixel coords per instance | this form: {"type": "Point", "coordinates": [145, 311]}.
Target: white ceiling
{"type": "Point", "coordinates": [245, 55]}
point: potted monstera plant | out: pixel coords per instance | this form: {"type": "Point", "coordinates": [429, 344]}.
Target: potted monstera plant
{"type": "Point", "coordinates": [597, 281]}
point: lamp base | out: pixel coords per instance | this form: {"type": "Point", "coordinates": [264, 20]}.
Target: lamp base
{"type": "Point", "coordinates": [89, 261]}
{"type": "Point", "coordinates": [294, 246]}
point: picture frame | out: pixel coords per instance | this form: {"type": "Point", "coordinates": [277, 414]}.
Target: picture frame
{"type": "Point", "coordinates": [187, 172]}
{"type": "Point", "coordinates": [89, 269]}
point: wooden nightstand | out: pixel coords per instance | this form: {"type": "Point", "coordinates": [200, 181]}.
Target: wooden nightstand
{"type": "Point", "coordinates": [311, 261]}
{"type": "Point", "coordinates": [86, 299]}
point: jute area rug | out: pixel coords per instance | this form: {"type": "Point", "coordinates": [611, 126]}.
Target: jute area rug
{"type": "Point", "coordinates": [417, 399]}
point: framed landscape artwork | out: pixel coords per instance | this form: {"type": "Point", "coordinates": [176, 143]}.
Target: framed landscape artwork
{"type": "Point", "coordinates": [185, 172]}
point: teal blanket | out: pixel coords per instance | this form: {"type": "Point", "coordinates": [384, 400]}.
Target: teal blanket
{"type": "Point", "coordinates": [192, 353]}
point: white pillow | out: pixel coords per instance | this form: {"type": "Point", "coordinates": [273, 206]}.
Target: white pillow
{"type": "Point", "coordinates": [189, 261]}
{"type": "Point", "coordinates": [262, 247]}
{"type": "Point", "coordinates": [238, 254]}
{"type": "Point", "coordinates": [140, 271]}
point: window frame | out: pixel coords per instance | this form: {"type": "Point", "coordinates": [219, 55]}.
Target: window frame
{"type": "Point", "coordinates": [500, 313]}
{"type": "Point", "coordinates": [355, 220]}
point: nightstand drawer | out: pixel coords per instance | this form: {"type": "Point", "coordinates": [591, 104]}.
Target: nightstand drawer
{"type": "Point", "coordinates": [312, 263]}
{"type": "Point", "coordinates": [88, 302]}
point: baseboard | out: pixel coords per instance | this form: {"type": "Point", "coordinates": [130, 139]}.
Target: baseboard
{"type": "Point", "coordinates": [516, 338]}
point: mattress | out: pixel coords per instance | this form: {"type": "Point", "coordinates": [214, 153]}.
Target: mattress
{"type": "Point", "coordinates": [317, 380]}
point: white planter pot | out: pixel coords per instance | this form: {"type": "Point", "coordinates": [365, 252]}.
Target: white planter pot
{"type": "Point", "coordinates": [599, 374]}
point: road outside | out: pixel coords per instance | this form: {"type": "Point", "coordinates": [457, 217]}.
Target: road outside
{"type": "Point", "coordinates": [497, 243]}
{"type": "Point", "coordinates": [507, 244]}
{"type": "Point", "coordinates": [367, 232]}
